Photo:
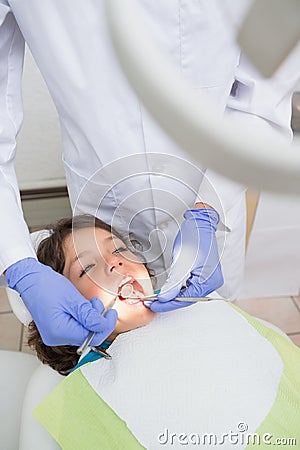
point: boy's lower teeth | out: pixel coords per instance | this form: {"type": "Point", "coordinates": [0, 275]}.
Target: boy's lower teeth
{"type": "Point", "coordinates": [129, 301]}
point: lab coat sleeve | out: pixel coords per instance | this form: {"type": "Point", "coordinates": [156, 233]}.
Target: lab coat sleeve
{"type": "Point", "coordinates": [264, 105]}
{"type": "Point", "coordinates": [15, 243]}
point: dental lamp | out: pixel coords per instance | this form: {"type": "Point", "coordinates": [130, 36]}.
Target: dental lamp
{"type": "Point", "coordinates": [270, 31]}
{"type": "Point", "coordinates": [196, 125]}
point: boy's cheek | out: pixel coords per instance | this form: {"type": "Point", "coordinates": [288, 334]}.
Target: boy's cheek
{"type": "Point", "coordinates": [94, 291]}
{"type": "Point", "coordinates": [129, 319]}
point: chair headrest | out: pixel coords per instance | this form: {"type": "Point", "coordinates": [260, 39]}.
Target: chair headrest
{"type": "Point", "coordinates": [16, 302]}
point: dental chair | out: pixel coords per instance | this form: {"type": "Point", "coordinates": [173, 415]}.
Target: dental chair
{"type": "Point", "coordinates": [16, 371]}
{"type": "Point", "coordinates": [24, 383]}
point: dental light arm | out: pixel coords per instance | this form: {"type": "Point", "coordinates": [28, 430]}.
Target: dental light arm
{"type": "Point", "coordinates": [269, 33]}
{"type": "Point", "coordinates": [196, 126]}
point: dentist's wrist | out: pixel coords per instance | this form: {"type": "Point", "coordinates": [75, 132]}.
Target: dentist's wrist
{"type": "Point", "coordinates": [20, 269]}
{"type": "Point", "coordinates": [202, 205]}
{"type": "Point", "coordinates": [204, 215]}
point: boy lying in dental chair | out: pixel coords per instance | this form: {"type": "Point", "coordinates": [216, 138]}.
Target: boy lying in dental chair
{"type": "Point", "coordinates": [173, 377]}
{"type": "Point", "coordinates": [98, 263]}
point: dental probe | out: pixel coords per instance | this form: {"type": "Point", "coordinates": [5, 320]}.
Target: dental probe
{"type": "Point", "coordinates": [153, 297]}
{"type": "Point", "coordinates": [91, 334]}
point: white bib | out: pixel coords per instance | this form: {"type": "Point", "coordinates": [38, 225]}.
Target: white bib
{"type": "Point", "coordinates": [201, 369]}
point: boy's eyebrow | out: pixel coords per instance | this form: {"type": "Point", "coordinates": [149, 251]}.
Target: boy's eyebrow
{"type": "Point", "coordinates": [78, 256]}
{"type": "Point", "coordinates": [112, 237]}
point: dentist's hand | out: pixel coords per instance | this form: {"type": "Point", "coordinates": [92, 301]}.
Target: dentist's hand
{"type": "Point", "coordinates": [195, 256]}
{"type": "Point", "coordinates": [63, 316]}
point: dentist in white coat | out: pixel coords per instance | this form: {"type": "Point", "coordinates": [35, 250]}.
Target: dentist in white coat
{"type": "Point", "coordinates": [119, 164]}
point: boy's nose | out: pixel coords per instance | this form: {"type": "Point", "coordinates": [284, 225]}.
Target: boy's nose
{"type": "Point", "coordinates": [115, 262]}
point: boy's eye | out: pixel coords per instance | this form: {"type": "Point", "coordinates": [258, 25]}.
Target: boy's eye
{"type": "Point", "coordinates": [86, 269]}
{"type": "Point", "coordinates": [119, 250]}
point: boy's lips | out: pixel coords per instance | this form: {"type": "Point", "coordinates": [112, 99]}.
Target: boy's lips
{"type": "Point", "coordinates": [131, 301]}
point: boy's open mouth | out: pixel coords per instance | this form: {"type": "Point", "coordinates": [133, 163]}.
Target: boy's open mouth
{"type": "Point", "coordinates": [130, 291]}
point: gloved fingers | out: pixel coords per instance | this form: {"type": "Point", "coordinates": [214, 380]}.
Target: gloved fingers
{"type": "Point", "coordinates": [111, 315]}
{"type": "Point", "coordinates": [64, 316]}
{"type": "Point", "coordinates": [194, 289]}
{"type": "Point", "coordinates": [209, 279]}
{"type": "Point", "coordinates": [205, 217]}
{"type": "Point", "coordinates": [172, 286]}
{"type": "Point", "coordinates": [169, 294]}
{"type": "Point", "coordinates": [180, 271]}
{"type": "Point", "coordinates": [97, 304]}
{"type": "Point", "coordinates": [197, 287]}
{"type": "Point", "coordinates": [148, 303]}
{"type": "Point", "coordinates": [71, 332]}
{"type": "Point", "coordinates": [90, 316]}
{"type": "Point", "coordinates": [66, 332]}
{"type": "Point", "coordinates": [101, 336]}
{"type": "Point", "coordinates": [106, 324]}
{"type": "Point", "coordinates": [168, 306]}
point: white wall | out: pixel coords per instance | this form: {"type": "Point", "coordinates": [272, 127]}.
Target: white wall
{"type": "Point", "coordinates": [273, 256]}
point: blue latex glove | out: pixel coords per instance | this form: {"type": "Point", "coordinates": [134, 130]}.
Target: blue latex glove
{"type": "Point", "coordinates": [63, 316]}
{"type": "Point", "coordinates": [195, 258]}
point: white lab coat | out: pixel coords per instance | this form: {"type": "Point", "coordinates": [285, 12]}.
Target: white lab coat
{"type": "Point", "coordinates": [102, 120]}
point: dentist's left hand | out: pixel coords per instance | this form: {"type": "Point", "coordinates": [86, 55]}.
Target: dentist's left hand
{"type": "Point", "coordinates": [196, 257]}
{"type": "Point", "coordinates": [63, 316]}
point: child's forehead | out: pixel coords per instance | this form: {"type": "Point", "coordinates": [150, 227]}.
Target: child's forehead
{"type": "Point", "coordinates": [91, 236]}
{"type": "Point", "coordinates": [92, 231]}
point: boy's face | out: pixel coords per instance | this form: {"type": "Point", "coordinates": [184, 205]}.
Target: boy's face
{"type": "Point", "coordinates": [97, 262]}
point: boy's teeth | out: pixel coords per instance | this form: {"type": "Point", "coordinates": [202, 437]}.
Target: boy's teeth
{"type": "Point", "coordinates": [131, 301]}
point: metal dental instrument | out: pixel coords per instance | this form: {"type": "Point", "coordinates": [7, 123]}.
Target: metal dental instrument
{"type": "Point", "coordinates": [91, 334]}
{"type": "Point", "coordinates": [126, 291]}
{"type": "Point", "coordinates": [153, 297]}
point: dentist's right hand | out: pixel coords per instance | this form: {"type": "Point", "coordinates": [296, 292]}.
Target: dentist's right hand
{"type": "Point", "coordinates": [63, 316]}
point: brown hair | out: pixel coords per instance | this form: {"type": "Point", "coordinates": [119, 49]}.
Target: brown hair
{"type": "Point", "coordinates": [50, 252]}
